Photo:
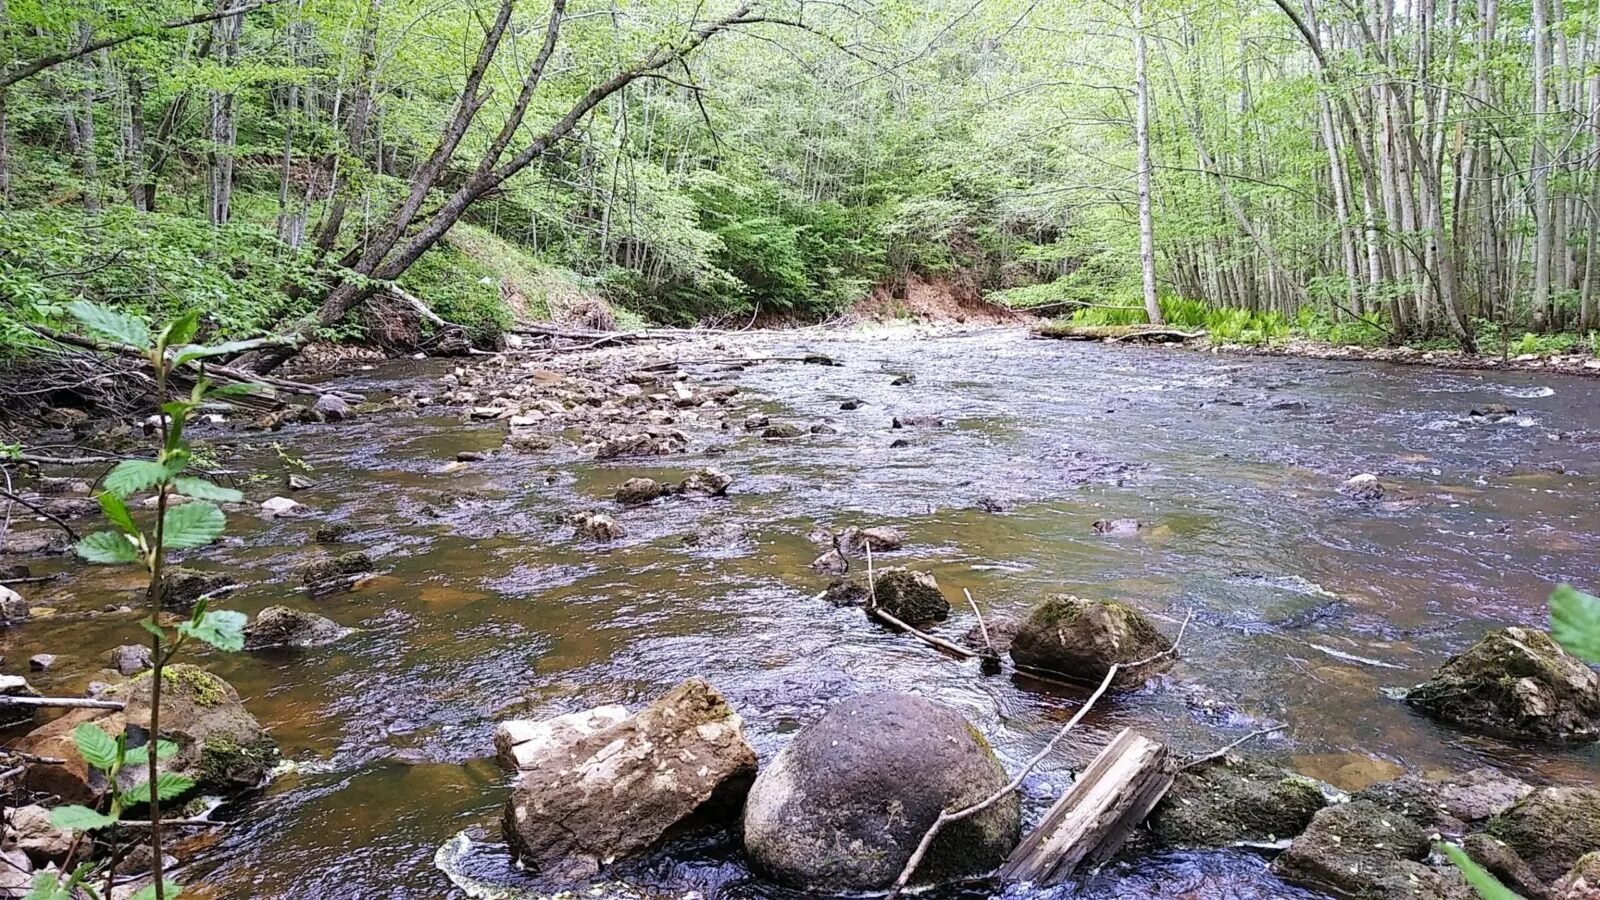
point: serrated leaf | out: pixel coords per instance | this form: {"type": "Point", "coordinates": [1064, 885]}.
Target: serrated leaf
{"type": "Point", "coordinates": [1575, 622]}
{"type": "Point", "coordinates": [1487, 886]}
{"type": "Point", "coordinates": [182, 329]}
{"type": "Point", "coordinates": [110, 324]}
{"type": "Point", "coordinates": [193, 352]}
{"type": "Point", "coordinates": [134, 475]}
{"type": "Point", "coordinates": [222, 629]}
{"type": "Point", "coordinates": [169, 786]}
{"type": "Point", "coordinates": [192, 525]}
{"type": "Point", "coordinates": [140, 756]}
{"type": "Point", "coordinates": [47, 887]}
{"type": "Point", "coordinates": [108, 547]}
{"type": "Point", "coordinates": [117, 512]}
{"type": "Point", "coordinates": [201, 489]}
{"type": "Point", "coordinates": [96, 747]}
{"type": "Point", "coordinates": [170, 889]}
{"type": "Point", "coordinates": [79, 818]}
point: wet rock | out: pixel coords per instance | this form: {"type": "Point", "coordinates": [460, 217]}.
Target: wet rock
{"type": "Point", "coordinates": [618, 791]}
{"type": "Point", "coordinates": [280, 626]}
{"type": "Point", "coordinates": [597, 526]}
{"type": "Point", "coordinates": [289, 415]}
{"type": "Point", "coordinates": [468, 456]}
{"type": "Point", "coordinates": [991, 505]}
{"type": "Point", "coordinates": [881, 538]}
{"type": "Point", "coordinates": [756, 422]}
{"type": "Point", "coordinates": [1001, 631]}
{"type": "Point", "coordinates": [1448, 805]}
{"type": "Point", "coordinates": [331, 408]}
{"type": "Point", "coordinates": [283, 508]}
{"type": "Point", "coordinates": [130, 659]}
{"type": "Point", "coordinates": [298, 482]}
{"type": "Point", "coordinates": [46, 484]}
{"type": "Point", "coordinates": [1582, 883]}
{"type": "Point", "coordinates": [1363, 488]}
{"type": "Point", "coordinates": [1551, 828]}
{"type": "Point", "coordinates": [1118, 527]}
{"type": "Point", "coordinates": [181, 588]}
{"type": "Point", "coordinates": [1234, 799]}
{"type": "Point", "coordinates": [782, 431]}
{"type": "Point", "coordinates": [1492, 411]}
{"type": "Point", "coordinates": [29, 830]}
{"type": "Point", "coordinates": [530, 442]}
{"type": "Point", "coordinates": [910, 596]}
{"type": "Point", "coordinates": [1504, 864]}
{"type": "Point", "coordinates": [34, 542]}
{"type": "Point", "coordinates": [41, 661]}
{"type": "Point", "coordinates": [333, 532]}
{"type": "Point", "coordinates": [220, 744]}
{"type": "Point", "coordinates": [851, 404]}
{"type": "Point", "coordinates": [1363, 851]}
{"type": "Point", "coordinates": [818, 359]}
{"type": "Point", "coordinates": [831, 563]}
{"type": "Point", "coordinates": [844, 804]}
{"type": "Point", "coordinates": [903, 380]}
{"type": "Point", "coordinates": [1515, 683]}
{"type": "Point", "coordinates": [638, 491]}
{"type": "Point", "coordinates": [15, 686]}
{"type": "Point", "coordinates": [898, 443]}
{"type": "Point", "coordinates": [824, 428]}
{"type": "Point", "coordinates": [916, 422]}
{"type": "Point", "coordinates": [13, 609]}
{"type": "Point", "coordinates": [708, 482]}
{"type": "Point", "coordinates": [844, 592]}
{"type": "Point", "coordinates": [642, 443]}
{"type": "Point", "coordinates": [328, 568]}
{"type": "Point", "coordinates": [522, 743]}
{"type": "Point", "coordinates": [16, 874]}
{"type": "Point", "coordinates": [1080, 640]}
{"type": "Point", "coordinates": [139, 860]}
{"type": "Point", "coordinates": [715, 536]}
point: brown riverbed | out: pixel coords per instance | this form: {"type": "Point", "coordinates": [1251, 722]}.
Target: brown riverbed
{"type": "Point", "coordinates": [1308, 607]}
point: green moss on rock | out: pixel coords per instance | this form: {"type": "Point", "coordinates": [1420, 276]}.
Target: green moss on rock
{"type": "Point", "coordinates": [1515, 683]}
{"type": "Point", "coordinates": [1235, 799]}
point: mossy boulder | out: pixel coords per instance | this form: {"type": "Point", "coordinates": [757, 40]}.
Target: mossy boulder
{"type": "Point", "coordinates": [783, 431]}
{"type": "Point", "coordinates": [328, 568]}
{"type": "Point", "coordinates": [638, 491]}
{"type": "Point", "coordinates": [280, 626]}
{"type": "Point", "coordinates": [1582, 883]}
{"type": "Point", "coordinates": [1515, 683]}
{"type": "Point", "coordinates": [1069, 637]}
{"type": "Point", "coordinates": [910, 596]}
{"type": "Point", "coordinates": [1235, 799]}
{"type": "Point", "coordinates": [1448, 805]}
{"type": "Point", "coordinates": [181, 588]}
{"type": "Point", "coordinates": [1551, 828]}
{"type": "Point", "coordinates": [1362, 851]}
{"type": "Point", "coordinates": [842, 807]}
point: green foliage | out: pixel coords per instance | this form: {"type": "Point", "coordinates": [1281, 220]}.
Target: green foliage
{"type": "Point", "coordinates": [1575, 622]}
{"type": "Point", "coordinates": [1486, 885]}
{"type": "Point", "coordinates": [461, 290]}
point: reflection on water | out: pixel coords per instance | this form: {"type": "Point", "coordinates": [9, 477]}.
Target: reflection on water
{"type": "Point", "coordinates": [1306, 606]}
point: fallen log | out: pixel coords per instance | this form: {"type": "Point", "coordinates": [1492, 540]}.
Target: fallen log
{"type": "Point", "coordinates": [59, 702]}
{"type": "Point", "coordinates": [1090, 822]}
{"type": "Point", "coordinates": [1153, 334]}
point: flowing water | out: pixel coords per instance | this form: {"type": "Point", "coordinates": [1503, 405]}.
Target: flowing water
{"type": "Point", "coordinates": [1307, 607]}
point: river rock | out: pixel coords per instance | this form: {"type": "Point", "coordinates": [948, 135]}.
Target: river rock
{"type": "Point", "coordinates": [41, 661]}
{"type": "Point", "coordinates": [283, 508]}
{"type": "Point", "coordinates": [1448, 805]}
{"type": "Point", "coordinates": [328, 568]}
{"type": "Point", "coordinates": [280, 626]}
{"type": "Point", "coordinates": [28, 829]}
{"type": "Point", "coordinates": [638, 491]}
{"type": "Point", "coordinates": [782, 431]}
{"type": "Point", "coordinates": [1582, 883]}
{"type": "Point", "coordinates": [910, 596]}
{"type": "Point", "coordinates": [846, 592]}
{"type": "Point", "coordinates": [1505, 865]}
{"type": "Point", "coordinates": [618, 791]}
{"type": "Point", "coordinates": [880, 538]}
{"type": "Point", "coordinates": [522, 743]}
{"type": "Point", "coordinates": [331, 408]}
{"type": "Point", "coordinates": [333, 532]}
{"type": "Point", "coordinates": [34, 542]}
{"type": "Point", "coordinates": [130, 659]}
{"type": "Point", "coordinates": [1551, 828]}
{"type": "Point", "coordinates": [181, 588]}
{"type": "Point", "coordinates": [1362, 851]}
{"type": "Point", "coordinates": [1364, 488]}
{"type": "Point", "coordinates": [756, 422]}
{"type": "Point", "coordinates": [1515, 683]}
{"type": "Point", "coordinates": [1235, 799]}
{"type": "Point", "coordinates": [842, 807]}
{"type": "Point", "coordinates": [1000, 630]}
{"type": "Point", "coordinates": [715, 536]}
{"type": "Point", "coordinates": [831, 563]}
{"type": "Point", "coordinates": [220, 744]}
{"type": "Point", "coordinates": [15, 686]}
{"type": "Point", "coordinates": [597, 526]}
{"type": "Point", "coordinates": [1081, 639]}
{"type": "Point", "coordinates": [1118, 527]}
{"type": "Point", "coordinates": [708, 482]}
{"type": "Point", "coordinates": [16, 874]}
{"type": "Point", "coordinates": [13, 609]}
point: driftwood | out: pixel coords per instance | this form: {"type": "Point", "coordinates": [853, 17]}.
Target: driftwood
{"type": "Point", "coordinates": [1092, 820]}
{"type": "Point", "coordinates": [1153, 334]}
{"type": "Point", "coordinates": [60, 702]}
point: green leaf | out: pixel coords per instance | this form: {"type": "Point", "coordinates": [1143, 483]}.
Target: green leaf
{"type": "Point", "coordinates": [182, 329]}
{"type": "Point", "coordinates": [108, 547]}
{"type": "Point", "coordinates": [193, 352]}
{"type": "Point", "coordinates": [117, 512]}
{"type": "Point", "coordinates": [140, 756]}
{"type": "Point", "coordinates": [110, 324]}
{"type": "Point", "coordinates": [149, 625]}
{"type": "Point", "coordinates": [47, 887]}
{"type": "Point", "coordinates": [134, 475]}
{"type": "Point", "coordinates": [169, 786]}
{"type": "Point", "coordinates": [241, 388]}
{"type": "Point", "coordinates": [1575, 622]}
{"type": "Point", "coordinates": [1487, 886]}
{"type": "Point", "coordinates": [79, 818]}
{"type": "Point", "coordinates": [95, 746]}
{"type": "Point", "coordinates": [148, 892]}
{"type": "Point", "coordinates": [222, 629]}
{"type": "Point", "coordinates": [191, 525]}
{"type": "Point", "coordinates": [201, 489]}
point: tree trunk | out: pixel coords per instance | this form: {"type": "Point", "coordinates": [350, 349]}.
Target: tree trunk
{"type": "Point", "coordinates": [1141, 127]}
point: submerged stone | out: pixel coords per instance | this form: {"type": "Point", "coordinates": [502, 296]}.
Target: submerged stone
{"type": "Point", "coordinates": [1515, 683]}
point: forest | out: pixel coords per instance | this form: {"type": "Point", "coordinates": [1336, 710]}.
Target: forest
{"type": "Point", "coordinates": [765, 449]}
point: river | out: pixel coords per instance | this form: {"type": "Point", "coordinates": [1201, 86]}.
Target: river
{"type": "Point", "coordinates": [1308, 608]}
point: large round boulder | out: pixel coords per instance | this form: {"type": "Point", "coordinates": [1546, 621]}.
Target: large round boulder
{"type": "Point", "coordinates": [1080, 640]}
{"type": "Point", "coordinates": [910, 596]}
{"type": "Point", "coordinates": [1515, 683]}
{"type": "Point", "coordinates": [845, 804]}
